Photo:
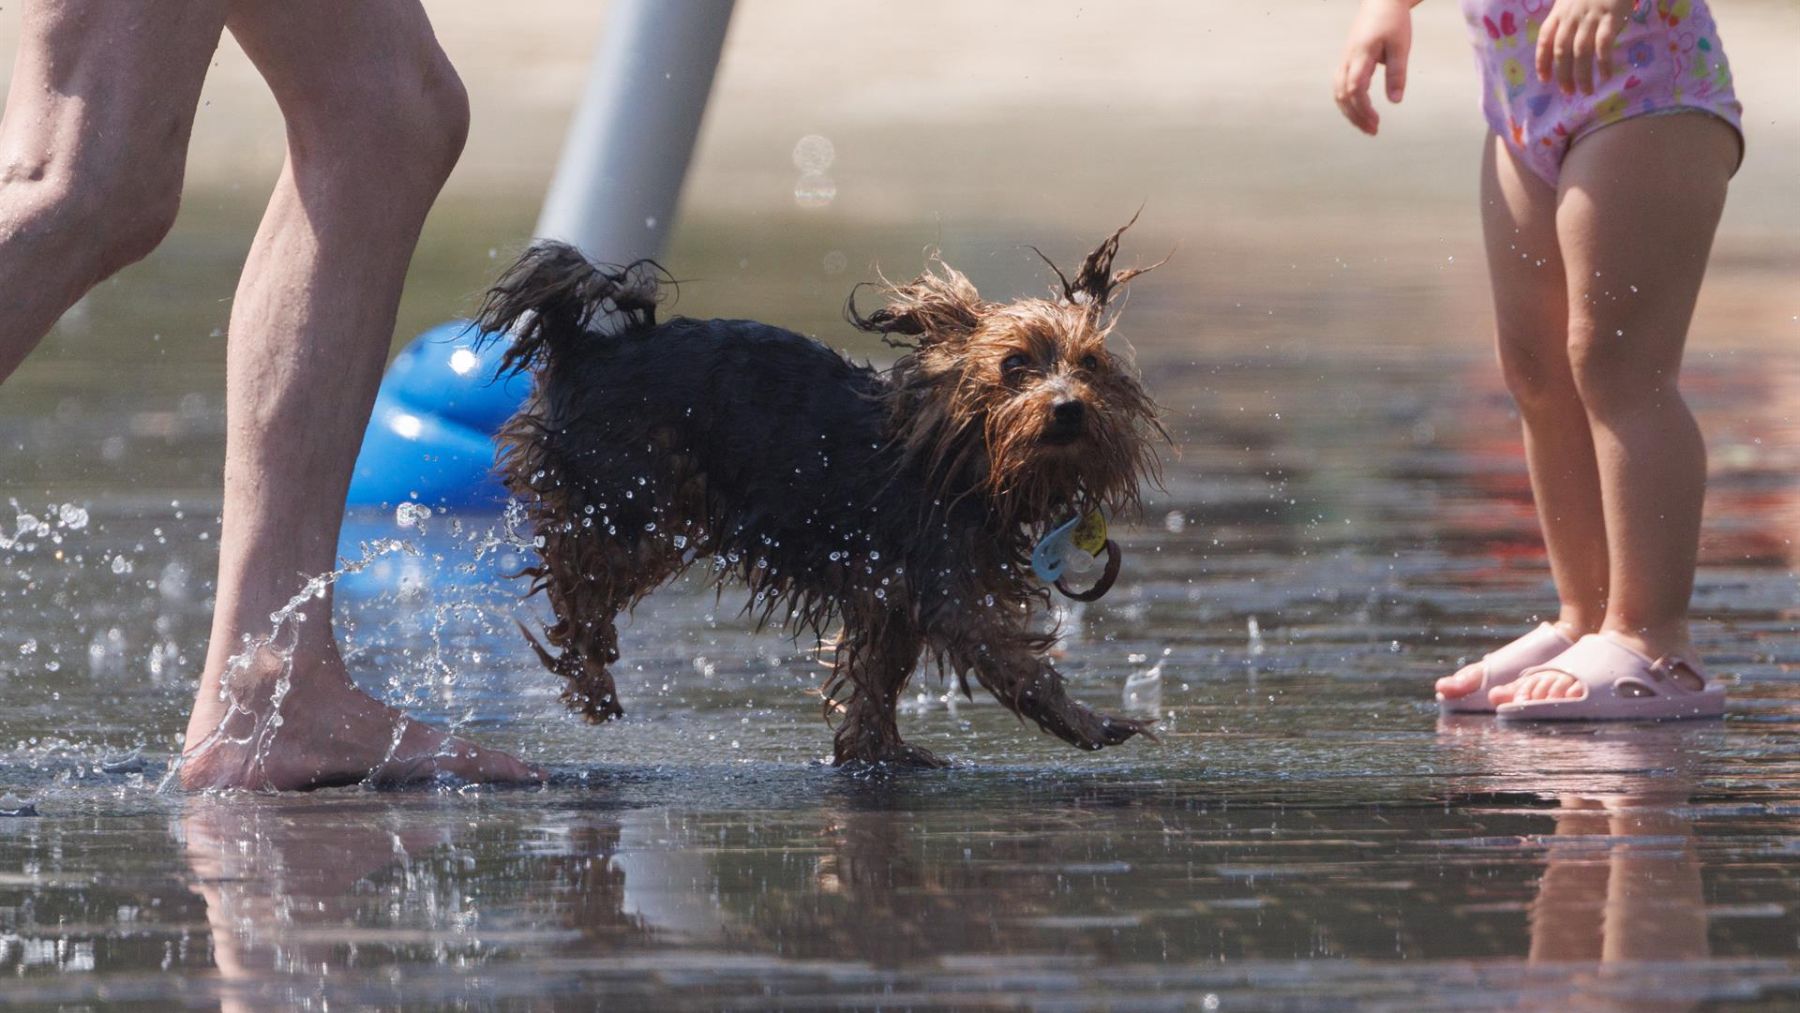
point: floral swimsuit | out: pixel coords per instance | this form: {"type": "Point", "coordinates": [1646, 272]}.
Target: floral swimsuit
{"type": "Point", "coordinates": [1667, 59]}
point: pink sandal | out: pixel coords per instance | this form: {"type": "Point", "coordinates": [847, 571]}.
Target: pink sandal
{"type": "Point", "coordinates": [1621, 684]}
{"type": "Point", "coordinates": [1506, 664]}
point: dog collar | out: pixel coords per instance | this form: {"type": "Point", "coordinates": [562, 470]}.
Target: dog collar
{"type": "Point", "coordinates": [1073, 545]}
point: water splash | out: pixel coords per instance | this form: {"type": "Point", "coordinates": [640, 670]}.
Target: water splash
{"type": "Point", "coordinates": [279, 645]}
{"type": "Point", "coordinates": [1144, 689]}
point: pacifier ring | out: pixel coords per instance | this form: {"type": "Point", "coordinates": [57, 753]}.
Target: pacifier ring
{"type": "Point", "coordinates": [1106, 579]}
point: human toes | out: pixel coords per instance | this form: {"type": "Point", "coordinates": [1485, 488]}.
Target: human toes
{"type": "Point", "coordinates": [1562, 687]}
{"type": "Point", "coordinates": [1500, 695]}
{"type": "Point", "coordinates": [1464, 681]}
{"type": "Point", "coordinates": [463, 760]}
{"type": "Point", "coordinates": [426, 753]}
{"type": "Point", "coordinates": [493, 766]}
{"type": "Point", "coordinates": [1541, 686]}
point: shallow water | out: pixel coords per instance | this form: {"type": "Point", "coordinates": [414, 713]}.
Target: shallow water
{"type": "Point", "coordinates": [1341, 525]}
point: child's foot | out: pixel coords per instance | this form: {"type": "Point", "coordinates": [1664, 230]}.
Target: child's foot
{"type": "Point", "coordinates": [1467, 690]}
{"type": "Point", "coordinates": [1610, 677]}
{"type": "Point", "coordinates": [1556, 684]}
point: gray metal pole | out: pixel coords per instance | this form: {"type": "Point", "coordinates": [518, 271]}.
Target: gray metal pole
{"type": "Point", "coordinates": [619, 177]}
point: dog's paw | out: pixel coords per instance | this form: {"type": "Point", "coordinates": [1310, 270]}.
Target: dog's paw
{"type": "Point", "coordinates": [1115, 730]}
{"type": "Point", "coordinates": [899, 756]}
{"type": "Point", "coordinates": [1087, 729]}
{"type": "Point", "coordinates": [593, 709]}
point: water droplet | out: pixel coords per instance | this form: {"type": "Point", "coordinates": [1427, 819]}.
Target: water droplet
{"type": "Point", "coordinates": [72, 517]}
{"type": "Point", "coordinates": [412, 515]}
{"type": "Point", "coordinates": [814, 153]}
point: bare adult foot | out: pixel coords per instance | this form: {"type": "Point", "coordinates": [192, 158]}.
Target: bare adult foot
{"type": "Point", "coordinates": [293, 726]}
{"type": "Point", "coordinates": [1556, 685]}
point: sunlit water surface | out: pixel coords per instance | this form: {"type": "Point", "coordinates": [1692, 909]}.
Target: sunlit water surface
{"type": "Point", "coordinates": [1339, 527]}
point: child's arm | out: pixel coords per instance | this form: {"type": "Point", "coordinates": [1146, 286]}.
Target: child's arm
{"type": "Point", "coordinates": [1576, 35]}
{"type": "Point", "coordinates": [1381, 34]}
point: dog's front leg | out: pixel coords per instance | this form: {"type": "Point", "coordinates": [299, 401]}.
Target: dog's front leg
{"type": "Point", "coordinates": [1007, 665]}
{"type": "Point", "coordinates": [873, 660]}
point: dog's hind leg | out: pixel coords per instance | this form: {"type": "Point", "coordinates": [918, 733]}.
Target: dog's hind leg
{"type": "Point", "coordinates": [589, 580]}
{"type": "Point", "coordinates": [874, 657]}
{"type": "Point", "coordinates": [578, 576]}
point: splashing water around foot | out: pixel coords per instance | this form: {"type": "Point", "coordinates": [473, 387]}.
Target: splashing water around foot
{"type": "Point", "coordinates": [279, 646]}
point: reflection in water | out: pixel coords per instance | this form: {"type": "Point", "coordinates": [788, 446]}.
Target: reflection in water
{"type": "Point", "coordinates": [889, 889]}
{"type": "Point", "coordinates": [1621, 884]}
{"type": "Point", "coordinates": [307, 901]}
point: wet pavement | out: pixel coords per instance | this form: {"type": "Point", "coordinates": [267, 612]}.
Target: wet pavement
{"type": "Point", "coordinates": [1341, 525]}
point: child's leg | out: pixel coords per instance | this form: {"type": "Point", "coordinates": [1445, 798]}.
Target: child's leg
{"type": "Point", "coordinates": [1518, 214]}
{"type": "Point", "coordinates": [1635, 217]}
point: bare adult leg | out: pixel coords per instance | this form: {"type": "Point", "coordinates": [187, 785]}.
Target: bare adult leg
{"type": "Point", "coordinates": [92, 148]}
{"type": "Point", "coordinates": [1635, 218]}
{"type": "Point", "coordinates": [279, 883]}
{"type": "Point", "coordinates": [376, 117]}
{"type": "Point", "coordinates": [1525, 267]}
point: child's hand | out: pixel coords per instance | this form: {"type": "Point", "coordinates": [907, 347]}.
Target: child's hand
{"type": "Point", "coordinates": [1382, 33]}
{"type": "Point", "coordinates": [1576, 36]}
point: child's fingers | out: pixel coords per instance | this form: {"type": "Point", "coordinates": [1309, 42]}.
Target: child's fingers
{"type": "Point", "coordinates": [1358, 73]}
{"type": "Point", "coordinates": [1564, 51]}
{"type": "Point", "coordinates": [1359, 95]}
{"type": "Point", "coordinates": [1396, 73]}
{"type": "Point", "coordinates": [1603, 43]}
{"type": "Point", "coordinates": [1584, 56]}
{"type": "Point", "coordinates": [1340, 92]}
{"type": "Point", "coordinates": [1546, 46]}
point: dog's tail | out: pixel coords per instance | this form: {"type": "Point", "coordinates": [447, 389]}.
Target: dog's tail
{"type": "Point", "coordinates": [554, 297]}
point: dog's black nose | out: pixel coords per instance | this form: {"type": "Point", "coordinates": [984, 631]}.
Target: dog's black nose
{"type": "Point", "coordinates": [1069, 413]}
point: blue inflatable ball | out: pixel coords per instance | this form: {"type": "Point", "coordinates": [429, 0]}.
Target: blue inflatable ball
{"type": "Point", "coordinates": [431, 438]}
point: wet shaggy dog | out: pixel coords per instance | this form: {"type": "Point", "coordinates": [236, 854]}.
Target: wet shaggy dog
{"type": "Point", "coordinates": [889, 512]}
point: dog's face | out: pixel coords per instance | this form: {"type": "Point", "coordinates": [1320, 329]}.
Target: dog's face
{"type": "Point", "coordinates": [1064, 420]}
{"type": "Point", "coordinates": [1025, 398]}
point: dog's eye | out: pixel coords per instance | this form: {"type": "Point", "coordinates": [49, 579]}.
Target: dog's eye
{"type": "Point", "coordinates": [1015, 361]}
{"type": "Point", "coordinates": [1090, 362]}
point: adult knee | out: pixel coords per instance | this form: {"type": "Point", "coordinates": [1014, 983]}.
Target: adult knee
{"type": "Point", "coordinates": [436, 111]}
{"type": "Point", "coordinates": [138, 216]}
{"type": "Point", "coordinates": [403, 125]}
{"type": "Point", "coordinates": [112, 208]}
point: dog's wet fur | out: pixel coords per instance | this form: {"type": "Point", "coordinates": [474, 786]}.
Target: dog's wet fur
{"type": "Point", "coordinates": [889, 512]}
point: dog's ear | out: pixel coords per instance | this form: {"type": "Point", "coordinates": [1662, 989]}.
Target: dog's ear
{"type": "Point", "coordinates": [1095, 283]}
{"type": "Point", "coordinates": [939, 305]}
